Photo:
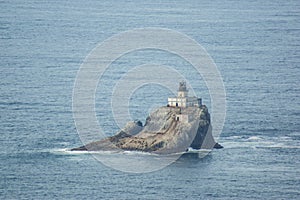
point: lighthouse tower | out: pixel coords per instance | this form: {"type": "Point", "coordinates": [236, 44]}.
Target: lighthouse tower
{"type": "Point", "coordinates": [182, 91]}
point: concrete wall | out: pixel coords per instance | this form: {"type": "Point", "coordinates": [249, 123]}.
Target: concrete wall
{"type": "Point", "coordinates": [184, 102]}
{"type": "Point", "coordinates": [182, 118]}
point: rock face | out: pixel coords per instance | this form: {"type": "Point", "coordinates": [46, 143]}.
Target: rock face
{"type": "Point", "coordinates": [167, 130]}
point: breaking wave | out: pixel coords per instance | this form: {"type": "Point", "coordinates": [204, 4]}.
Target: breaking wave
{"type": "Point", "coordinates": [259, 141]}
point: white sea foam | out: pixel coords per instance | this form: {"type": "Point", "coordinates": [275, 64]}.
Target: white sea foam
{"type": "Point", "coordinates": [191, 150]}
{"type": "Point", "coordinates": [254, 138]}
{"type": "Point", "coordinates": [67, 152]}
{"type": "Point", "coordinates": [259, 142]}
{"type": "Point", "coordinates": [138, 153]}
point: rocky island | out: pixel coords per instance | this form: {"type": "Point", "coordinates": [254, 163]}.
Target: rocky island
{"type": "Point", "coordinates": [183, 123]}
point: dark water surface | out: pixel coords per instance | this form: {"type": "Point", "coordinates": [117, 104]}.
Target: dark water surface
{"type": "Point", "coordinates": [255, 45]}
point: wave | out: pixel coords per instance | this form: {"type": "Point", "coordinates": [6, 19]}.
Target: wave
{"type": "Point", "coordinates": [279, 146]}
{"type": "Point", "coordinates": [254, 138]}
{"type": "Point", "coordinates": [259, 141]}
{"type": "Point", "coordinates": [66, 151]}
{"type": "Point", "coordinates": [191, 150]}
{"type": "Point", "coordinates": [138, 153]}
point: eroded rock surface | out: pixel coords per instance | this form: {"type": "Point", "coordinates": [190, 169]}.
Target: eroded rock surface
{"type": "Point", "coordinates": [163, 132]}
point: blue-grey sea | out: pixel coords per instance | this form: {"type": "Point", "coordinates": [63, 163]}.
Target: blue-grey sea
{"type": "Point", "coordinates": [255, 45]}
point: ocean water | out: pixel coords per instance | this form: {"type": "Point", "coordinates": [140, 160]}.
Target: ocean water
{"type": "Point", "coordinates": [255, 45]}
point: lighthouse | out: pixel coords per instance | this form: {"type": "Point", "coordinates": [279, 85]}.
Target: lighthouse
{"type": "Point", "coordinates": [183, 100]}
